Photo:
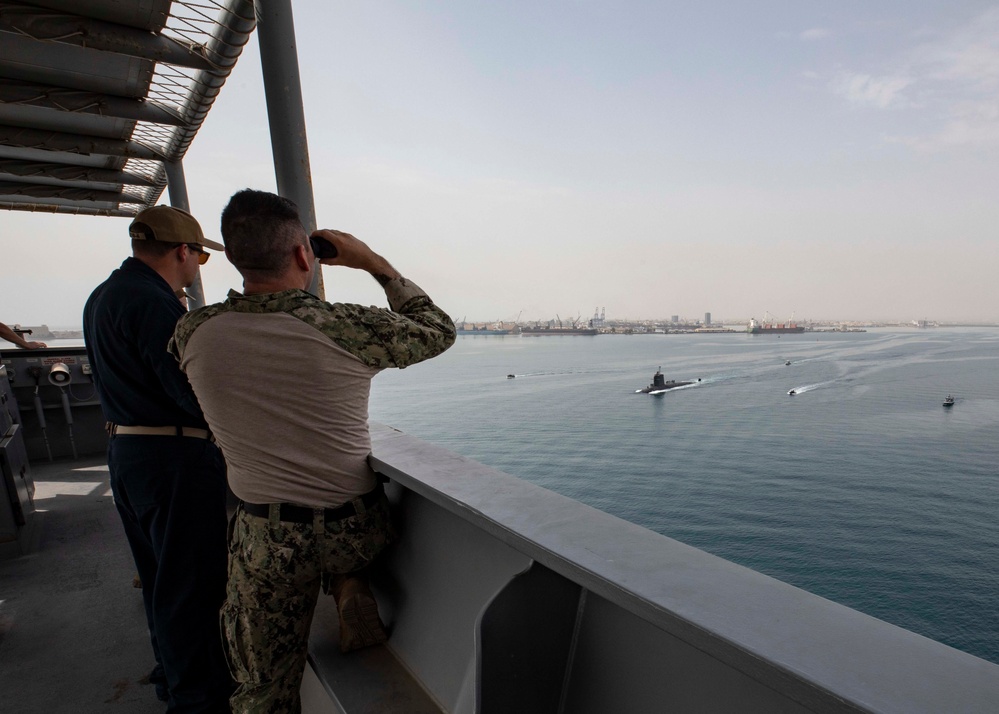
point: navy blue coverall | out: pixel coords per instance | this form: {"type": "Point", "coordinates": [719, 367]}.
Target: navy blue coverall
{"type": "Point", "coordinates": [170, 491]}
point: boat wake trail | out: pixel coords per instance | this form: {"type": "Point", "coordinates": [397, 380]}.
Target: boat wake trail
{"type": "Point", "coordinates": [808, 387]}
{"type": "Point", "coordinates": [680, 388]}
{"type": "Point", "coordinates": [559, 373]}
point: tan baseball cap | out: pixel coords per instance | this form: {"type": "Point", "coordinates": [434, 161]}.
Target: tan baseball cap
{"type": "Point", "coordinates": [169, 225]}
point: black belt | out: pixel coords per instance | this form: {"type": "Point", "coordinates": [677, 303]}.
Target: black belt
{"type": "Point", "coordinates": [303, 514]}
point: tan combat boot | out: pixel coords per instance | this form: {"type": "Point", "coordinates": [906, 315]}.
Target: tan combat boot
{"type": "Point", "coordinates": [360, 625]}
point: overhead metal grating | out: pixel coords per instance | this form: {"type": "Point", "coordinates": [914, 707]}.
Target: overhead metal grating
{"type": "Point", "coordinates": [96, 96]}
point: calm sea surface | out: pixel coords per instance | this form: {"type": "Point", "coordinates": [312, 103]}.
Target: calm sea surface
{"type": "Point", "coordinates": [861, 488]}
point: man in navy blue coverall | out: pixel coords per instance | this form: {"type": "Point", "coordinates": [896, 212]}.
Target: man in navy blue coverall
{"type": "Point", "coordinates": [167, 475]}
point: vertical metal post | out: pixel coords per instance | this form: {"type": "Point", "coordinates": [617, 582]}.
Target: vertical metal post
{"type": "Point", "coordinates": [286, 113]}
{"type": "Point", "coordinates": [177, 185]}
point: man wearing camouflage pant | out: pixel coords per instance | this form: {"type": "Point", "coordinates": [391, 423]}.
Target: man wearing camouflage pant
{"type": "Point", "coordinates": [283, 379]}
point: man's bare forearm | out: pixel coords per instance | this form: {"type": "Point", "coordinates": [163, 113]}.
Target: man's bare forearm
{"type": "Point", "coordinates": [8, 334]}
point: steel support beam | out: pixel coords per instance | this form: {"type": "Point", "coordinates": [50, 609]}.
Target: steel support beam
{"type": "Point", "coordinates": [62, 172]}
{"type": "Point", "coordinates": [16, 92]}
{"type": "Point", "coordinates": [48, 26]}
{"type": "Point", "coordinates": [34, 190]}
{"type": "Point", "coordinates": [148, 15]}
{"type": "Point", "coordinates": [74, 143]}
{"type": "Point", "coordinates": [286, 113]}
{"type": "Point", "coordinates": [177, 186]}
{"type": "Point", "coordinates": [69, 210]}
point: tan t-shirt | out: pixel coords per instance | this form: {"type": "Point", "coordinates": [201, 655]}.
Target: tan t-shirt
{"type": "Point", "coordinates": [284, 379]}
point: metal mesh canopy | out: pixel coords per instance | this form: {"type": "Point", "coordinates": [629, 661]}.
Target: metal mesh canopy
{"type": "Point", "coordinates": [96, 96]}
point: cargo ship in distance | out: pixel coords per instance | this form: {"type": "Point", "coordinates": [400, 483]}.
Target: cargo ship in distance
{"type": "Point", "coordinates": [773, 328]}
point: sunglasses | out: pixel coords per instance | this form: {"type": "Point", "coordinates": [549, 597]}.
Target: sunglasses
{"type": "Point", "coordinates": [202, 255]}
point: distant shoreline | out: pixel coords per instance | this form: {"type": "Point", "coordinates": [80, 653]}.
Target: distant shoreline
{"type": "Point", "coordinates": [653, 328]}
{"type": "Point", "coordinates": [41, 333]}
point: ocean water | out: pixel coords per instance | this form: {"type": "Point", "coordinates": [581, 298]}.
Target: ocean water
{"type": "Point", "coordinates": [860, 488]}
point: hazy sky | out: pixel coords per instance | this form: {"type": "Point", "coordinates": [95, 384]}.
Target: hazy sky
{"type": "Point", "coordinates": [834, 160]}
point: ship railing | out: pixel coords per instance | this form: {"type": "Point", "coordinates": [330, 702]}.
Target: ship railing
{"type": "Point", "coordinates": [502, 596]}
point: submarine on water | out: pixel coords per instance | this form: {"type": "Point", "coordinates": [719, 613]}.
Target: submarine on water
{"type": "Point", "coordinates": [661, 384]}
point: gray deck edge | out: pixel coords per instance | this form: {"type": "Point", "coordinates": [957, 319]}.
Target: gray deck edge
{"type": "Point", "coordinates": [824, 655]}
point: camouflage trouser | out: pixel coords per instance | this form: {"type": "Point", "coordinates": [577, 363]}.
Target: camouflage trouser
{"type": "Point", "coordinates": [275, 572]}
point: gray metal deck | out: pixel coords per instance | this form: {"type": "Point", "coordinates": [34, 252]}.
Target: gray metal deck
{"type": "Point", "coordinates": [73, 634]}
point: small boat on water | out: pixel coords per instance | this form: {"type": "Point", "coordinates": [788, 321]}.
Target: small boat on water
{"type": "Point", "coordinates": [660, 384]}
{"type": "Point", "coordinates": [948, 401]}
{"type": "Point", "coordinates": [791, 392]}
{"type": "Point", "coordinates": [787, 363]}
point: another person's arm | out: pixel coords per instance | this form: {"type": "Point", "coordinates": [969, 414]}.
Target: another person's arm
{"type": "Point", "coordinates": [8, 334]}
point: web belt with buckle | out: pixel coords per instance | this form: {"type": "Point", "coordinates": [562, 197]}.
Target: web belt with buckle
{"type": "Point", "coordinates": [291, 513]}
{"type": "Point", "coordinates": [194, 433]}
